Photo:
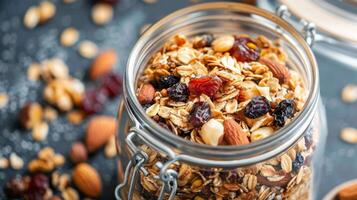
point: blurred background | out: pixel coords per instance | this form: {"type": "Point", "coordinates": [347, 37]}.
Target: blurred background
{"type": "Point", "coordinates": [28, 39]}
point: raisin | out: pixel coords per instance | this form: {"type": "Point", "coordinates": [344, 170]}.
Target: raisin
{"type": "Point", "coordinates": [166, 81]}
{"type": "Point", "coordinates": [298, 162]}
{"type": "Point", "coordinates": [202, 41]}
{"type": "Point", "coordinates": [199, 114]}
{"type": "Point", "coordinates": [205, 85]}
{"type": "Point", "coordinates": [93, 100]}
{"type": "Point", "coordinates": [113, 84]}
{"type": "Point", "coordinates": [284, 111]}
{"type": "Point", "coordinates": [178, 92]}
{"type": "Point", "coordinates": [15, 188]}
{"type": "Point", "coordinates": [257, 107]}
{"type": "Point", "coordinates": [37, 187]}
{"type": "Point", "coordinates": [245, 50]}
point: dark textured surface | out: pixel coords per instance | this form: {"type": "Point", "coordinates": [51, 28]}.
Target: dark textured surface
{"type": "Point", "coordinates": [20, 46]}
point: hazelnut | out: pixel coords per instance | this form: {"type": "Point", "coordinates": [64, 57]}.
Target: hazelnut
{"type": "Point", "coordinates": [212, 132]}
{"type": "Point", "coordinates": [78, 153]}
{"type": "Point", "coordinates": [30, 115]}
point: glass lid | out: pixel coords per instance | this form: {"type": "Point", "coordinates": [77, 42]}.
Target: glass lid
{"type": "Point", "coordinates": [335, 22]}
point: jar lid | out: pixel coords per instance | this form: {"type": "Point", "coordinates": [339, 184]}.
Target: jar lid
{"type": "Point", "coordinates": [335, 21]}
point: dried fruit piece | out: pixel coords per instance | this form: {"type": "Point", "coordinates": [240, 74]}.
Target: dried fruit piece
{"type": "Point", "coordinates": [279, 70]}
{"type": "Point", "coordinates": [245, 50]}
{"type": "Point", "coordinates": [257, 107]}
{"type": "Point", "coordinates": [223, 43]}
{"type": "Point", "coordinates": [32, 17]}
{"type": "Point", "coordinates": [88, 49]}
{"type": "Point", "coordinates": [78, 153]}
{"type": "Point", "coordinates": [69, 36]}
{"type": "Point", "coordinates": [166, 81]}
{"type": "Point", "coordinates": [205, 85]}
{"type": "Point", "coordinates": [212, 132]}
{"type": "Point", "coordinates": [112, 83]}
{"type": "Point", "coordinates": [30, 115]}
{"type": "Point", "coordinates": [298, 162]}
{"type": "Point", "coordinates": [199, 114]}
{"type": "Point", "coordinates": [87, 180]}
{"type": "Point", "coordinates": [37, 187]}
{"type": "Point", "coordinates": [285, 110]}
{"type": "Point", "coordinates": [178, 92]}
{"type": "Point", "coordinates": [349, 135]}
{"type": "Point", "coordinates": [102, 13]}
{"type": "Point", "coordinates": [99, 130]}
{"type": "Point", "coordinates": [234, 134]}
{"type": "Point", "coordinates": [146, 94]}
{"type": "Point", "coordinates": [103, 64]}
{"type": "Point", "coordinates": [93, 101]}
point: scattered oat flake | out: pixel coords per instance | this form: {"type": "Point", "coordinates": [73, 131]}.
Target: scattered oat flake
{"type": "Point", "coordinates": [349, 135]}
{"type": "Point", "coordinates": [34, 72]}
{"type": "Point", "coordinates": [102, 13]}
{"type": "Point", "coordinates": [349, 93]}
{"type": "Point", "coordinates": [69, 37]}
{"type": "Point", "coordinates": [4, 99]}
{"type": "Point", "coordinates": [16, 161]}
{"type": "Point", "coordinates": [40, 131]}
{"type": "Point", "coordinates": [32, 17]}
{"type": "Point", "coordinates": [88, 49]}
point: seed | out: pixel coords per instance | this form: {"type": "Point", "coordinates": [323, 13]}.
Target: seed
{"type": "Point", "coordinates": [223, 43]}
{"type": "Point", "coordinates": [88, 49]}
{"type": "Point", "coordinates": [32, 17]}
{"type": "Point", "coordinates": [102, 13]}
{"type": "Point", "coordinates": [349, 135]}
{"type": "Point", "coordinates": [4, 99]}
{"type": "Point", "coordinates": [69, 37]}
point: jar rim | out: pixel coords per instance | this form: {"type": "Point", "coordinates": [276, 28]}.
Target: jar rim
{"type": "Point", "coordinates": [224, 153]}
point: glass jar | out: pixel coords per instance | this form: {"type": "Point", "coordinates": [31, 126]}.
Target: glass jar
{"type": "Point", "coordinates": [161, 165]}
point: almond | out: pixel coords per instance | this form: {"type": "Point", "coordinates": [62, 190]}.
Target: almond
{"type": "Point", "coordinates": [87, 180]}
{"type": "Point", "coordinates": [146, 94]}
{"type": "Point", "coordinates": [348, 193]}
{"type": "Point", "coordinates": [279, 70]}
{"type": "Point", "coordinates": [30, 115]}
{"type": "Point", "coordinates": [78, 153]}
{"type": "Point", "coordinates": [233, 133]}
{"type": "Point", "coordinates": [103, 63]}
{"type": "Point", "coordinates": [99, 130]}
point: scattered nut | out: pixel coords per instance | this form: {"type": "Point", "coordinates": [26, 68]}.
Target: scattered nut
{"type": "Point", "coordinates": [16, 161]}
{"type": "Point", "coordinates": [87, 180]}
{"type": "Point", "coordinates": [223, 43]}
{"type": "Point", "coordinates": [40, 131]}
{"type": "Point", "coordinates": [88, 49]}
{"type": "Point", "coordinates": [349, 93]}
{"type": "Point", "coordinates": [110, 149]}
{"type": "Point", "coordinates": [279, 70]}
{"type": "Point", "coordinates": [30, 115]}
{"type": "Point", "coordinates": [34, 72]}
{"type": "Point", "coordinates": [349, 135]}
{"type": "Point", "coordinates": [59, 160]}
{"type": "Point", "coordinates": [32, 17]}
{"type": "Point", "coordinates": [102, 13]}
{"type": "Point", "coordinates": [70, 194]}
{"type": "Point", "coordinates": [4, 99]}
{"type": "Point", "coordinates": [78, 153]}
{"type": "Point", "coordinates": [50, 114]}
{"type": "Point", "coordinates": [212, 132]}
{"type": "Point", "coordinates": [233, 133]}
{"type": "Point", "coordinates": [69, 37]}
{"type": "Point", "coordinates": [348, 193]}
{"type": "Point", "coordinates": [4, 163]}
{"type": "Point", "coordinates": [103, 63]}
{"type": "Point", "coordinates": [46, 10]}
{"type": "Point", "coordinates": [46, 153]}
{"type": "Point", "coordinates": [76, 117]}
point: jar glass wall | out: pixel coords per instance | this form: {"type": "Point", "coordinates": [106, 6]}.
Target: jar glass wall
{"type": "Point", "coordinates": [281, 166]}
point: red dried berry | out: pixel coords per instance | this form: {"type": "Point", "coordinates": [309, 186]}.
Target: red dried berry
{"type": "Point", "coordinates": [93, 101]}
{"type": "Point", "coordinates": [205, 85]}
{"type": "Point", "coordinates": [37, 187]}
{"type": "Point", "coordinates": [245, 50]}
{"type": "Point", "coordinates": [199, 114]}
{"type": "Point", "coordinates": [113, 84]}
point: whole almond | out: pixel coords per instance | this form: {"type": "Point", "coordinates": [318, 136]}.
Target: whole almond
{"type": "Point", "coordinates": [30, 115]}
{"type": "Point", "coordinates": [348, 193]}
{"type": "Point", "coordinates": [279, 70]}
{"type": "Point", "coordinates": [233, 133]}
{"type": "Point", "coordinates": [146, 93]}
{"type": "Point", "coordinates": [87, 180]}
{"type": "Point", "coordinates": [103, 63]}
{"type": "Point", "coordinates": [78, 153]}
{"type": "Point", "coordinates": [99, 130]}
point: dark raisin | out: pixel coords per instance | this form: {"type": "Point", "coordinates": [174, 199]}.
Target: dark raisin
{"type": "Point", "coordinates": [178, 92]}
{"type": "Point", "coordinates": [245, 50]}
{"type": "Point", "coordinates": [199, 114]}
{"type": "Point", "coordinates": [284, 111]}
{"type": "Point", "coordinates": [298, 162]}
{"type": "Point", "coordinates": [93, 100]}
{"type": "Point", "coordinates": [257, 107]}
{"type": "Point", "coordinates": [15, 188]}
{"type": "Point", "coordinates": [205, 85]}
{"type": "Point", "coordinates": [165, 81]}
{"type": "Point", "coordinates": [37, 187]}
{"type": "Point", "coordinates": [113, 84]}
{"type": "Point", "coordinates": [202, 41]}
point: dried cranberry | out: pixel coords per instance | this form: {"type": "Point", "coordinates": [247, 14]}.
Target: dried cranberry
{"type": "Point", "coordinates": [204, 40]}
{"type": "Point", "coordinates": [16, 188]}
{"type": "Point", "coordinates": [284, 111]}
{"type": "Point", "coordinates": [113, 84]}
{"type": "Point", "coordinates": [93, 100]}
{"type": "Point", "coordinates": [166, 81]}
{"type": "Point", "coordinates": [199, 114]}
{"type": "Point", "coordinates": [178, 92]}
{"type": "Point", "coordinates": [37, 187]}
{"type": "Point", "coordinates": [298, 162]}
{"type": "Point", "coordinates": [245, 50]}
{"type": "Point", "coordinates": [257, 107]}
{"type": "Point", "coordinates": [205, 85]}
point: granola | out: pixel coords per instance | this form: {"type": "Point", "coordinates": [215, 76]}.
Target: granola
{"type": "Point", "coordinates": [226, 90]}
